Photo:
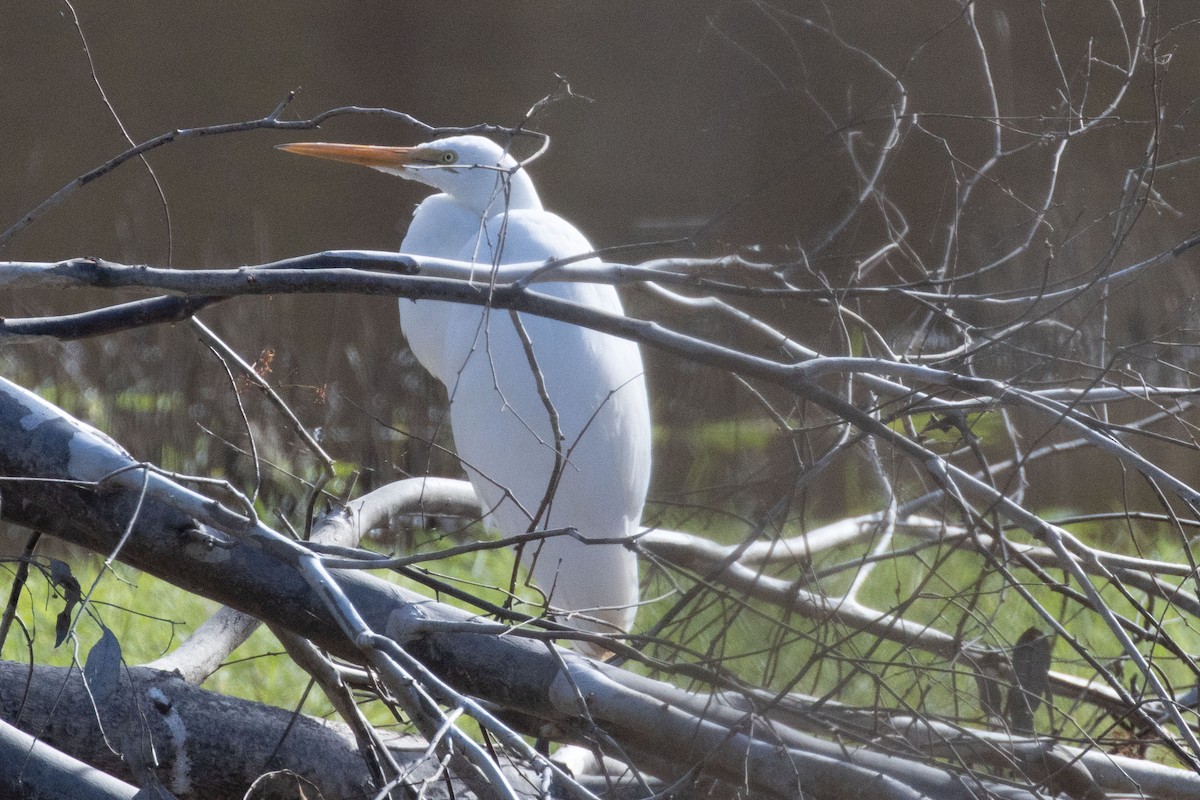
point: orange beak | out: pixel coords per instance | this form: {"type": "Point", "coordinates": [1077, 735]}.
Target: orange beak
{"type": "Point", "coordinates": [366, 155]}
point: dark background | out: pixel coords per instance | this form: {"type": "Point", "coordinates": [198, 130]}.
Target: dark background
{"type": "Point", "coordinates": [728, 121]}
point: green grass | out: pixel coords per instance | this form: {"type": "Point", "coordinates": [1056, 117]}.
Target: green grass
{"type": "Point", "coordinates": [948, 589]}
{"type": "Point", "coordinates": [953, 591]}
{"type": "Point", "coordinates": [150, 617]}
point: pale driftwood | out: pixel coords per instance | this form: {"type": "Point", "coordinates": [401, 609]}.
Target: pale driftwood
{"type": "Point", "coordinates": [735, 567]}
{"type": "Point", "coordinates": [67, 479]}
{"type": "Point", "coordinates": [205, 745]}
{"type": "Point", "coordinates": [1115, 774]}
{"type": "Point", "coordinates": [29, 767]}
{"type": "Point", "coordinates": [210, 644]}
{"type": "Point", "coordinates": [202, 653]}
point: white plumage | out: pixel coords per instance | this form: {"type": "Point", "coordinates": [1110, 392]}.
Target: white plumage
{"type": "Point", "coordinates": [489, 213]}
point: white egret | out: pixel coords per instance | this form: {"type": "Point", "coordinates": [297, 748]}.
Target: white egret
{"type": "Point", "coordinates": [504, 418]}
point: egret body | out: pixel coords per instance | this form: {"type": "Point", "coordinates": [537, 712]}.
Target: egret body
{"type": "Point", "coordinates": [572, 449]}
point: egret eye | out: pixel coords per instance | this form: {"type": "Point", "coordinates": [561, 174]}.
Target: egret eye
{"type": "Point", "coordinates": [448, 157]}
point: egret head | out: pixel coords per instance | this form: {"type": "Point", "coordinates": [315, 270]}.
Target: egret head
{"type": "Point", "coordinates": [474, 171]}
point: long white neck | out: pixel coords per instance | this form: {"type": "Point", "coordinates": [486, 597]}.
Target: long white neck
{"type": "Point", "coordinates": [520, 191]}
{"type": "Point", "coordinates": [492, 192]}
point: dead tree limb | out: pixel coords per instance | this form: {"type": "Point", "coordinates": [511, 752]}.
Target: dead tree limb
{"type": "Point", "coordinates": [68, 479]}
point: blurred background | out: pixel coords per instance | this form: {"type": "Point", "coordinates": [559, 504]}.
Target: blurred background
{"type": "Point", "coordinates": [746, 126]}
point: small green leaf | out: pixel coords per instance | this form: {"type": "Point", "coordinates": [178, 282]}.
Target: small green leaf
{"type": "Point", "coordinates": [102, 672]}
{"type": "Point", "coordinates": [990, 695]}
{"type": "Point", "coordinates": [59, 570]}
{"type": "Point", "coordinates": [61, 577]}
{"type": "Point", "coordinates": [62, 626]}
{"type": "Point", "coordinates": [1031, 667]}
